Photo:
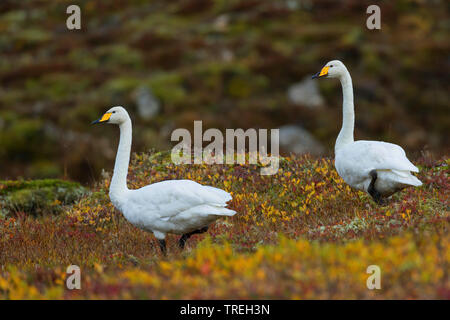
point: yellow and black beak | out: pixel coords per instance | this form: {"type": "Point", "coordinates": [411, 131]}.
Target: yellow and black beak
{"type": "Point", "coordinates": [322, 73]}
{"type": "Point", "coordinates": [104, 118]}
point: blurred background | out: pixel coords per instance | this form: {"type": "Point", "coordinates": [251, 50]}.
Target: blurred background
{"type": "Point", "coordinates": [231, 63]}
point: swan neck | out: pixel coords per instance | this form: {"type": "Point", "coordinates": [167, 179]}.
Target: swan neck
{"type": "Point", "coordinates": [348, 112]}
{"type": "Point", "coordinates": [119, 179]}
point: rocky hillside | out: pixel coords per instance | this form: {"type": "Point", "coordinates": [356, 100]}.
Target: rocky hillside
{"type": "Point", "coordinates": [237, 63]}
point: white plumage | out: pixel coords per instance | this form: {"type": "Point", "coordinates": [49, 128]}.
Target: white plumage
{"type": "Point", "coordinates": [182, 207]}
{"type": "Point", "coordinates": [377, 167]}
{"type": "Point", "coordinates": [356, 160]}
{"type": "Point", "coordinates": [175, 206]}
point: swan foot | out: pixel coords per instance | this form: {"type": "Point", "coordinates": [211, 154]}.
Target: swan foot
{"type": "Point", "coordinates": [162, 246]}
{"type": "Point", "coordinates": [376, 196]}
{"type": "Point", "coordinates": [184, 237]}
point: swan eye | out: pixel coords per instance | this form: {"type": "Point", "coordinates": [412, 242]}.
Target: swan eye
{"type": "Point", "coordinates": [331, 66]}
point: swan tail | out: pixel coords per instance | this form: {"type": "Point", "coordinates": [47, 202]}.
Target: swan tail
{"type": "Point", "coordinates": [219, 193]}
{"type": "Point", "coordinates": [407, 178]}
{"type": "Point", "coordinates": [206, 210]}
{"type": "Point", "coordinates": [224, 212]}
{"type": "Point", "coordinates": [415, 182]}
{"type": "Point", "coordinates": [218, 210]}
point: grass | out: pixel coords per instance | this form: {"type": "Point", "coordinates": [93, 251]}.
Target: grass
{"type": "Point", "coordinates": [299, 234]}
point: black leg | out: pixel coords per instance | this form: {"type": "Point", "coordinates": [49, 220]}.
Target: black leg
{"type": "Point", "coordinates": [182, 240]}
{"type": "Point", "coordinates": [162, 245]}
{"type": "Point", "coordinates": [376, 196]}
{"type": "Point", "coordinates": [202, 230]}
{"type": "Point", "coordinates": [186, 236]}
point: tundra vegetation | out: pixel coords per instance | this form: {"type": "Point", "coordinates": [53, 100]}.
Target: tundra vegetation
{"type": "Point", "coordinates": [301, 233]}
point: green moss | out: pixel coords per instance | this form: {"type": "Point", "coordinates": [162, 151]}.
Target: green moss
{"type": "Point", "coordinates": [119, 55]}
{"type": "Point", "coordinates": [20, 138]}
{"type": "Point", "coordinates": [34, 36]}
{"type": "Point", "coordinates": [38, 197]}
{"type": "Point", "coordinates": [44, 169]}
{"type": "Point", "coordinates": [120, 85]}
{"type": "Point", "coordinates": [244, 86]}
{"type": "Point", "coordinates": [168, 87]}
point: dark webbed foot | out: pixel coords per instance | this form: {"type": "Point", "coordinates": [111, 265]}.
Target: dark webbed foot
{"type": "Point", "coordinates": [184, 237]}
{"type": "Point", "coordinates": [162, 246]}
{"type": "Point", "coordinates": [376, 196]}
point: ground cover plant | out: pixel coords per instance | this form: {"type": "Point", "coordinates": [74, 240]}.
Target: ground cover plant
{"type": "Point", "coordinates": [38, 196]}
{"type": "Point", "coordinates": [302, 233]}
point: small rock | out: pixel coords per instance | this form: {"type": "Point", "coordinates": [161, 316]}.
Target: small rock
{"type": "Point", "coordinates": [221, 23]}
{"type": "Point", "coordinates": [227, 55]}
{"type": "Point", "coordinates": [294, 5]}
{"type": "Point", "coordinates": [147, 104]}
{"type": "Point", "coordinates": [39, 107]}
{"type": "Point", "coordinates": [305, 93]}
{"type": "Point", "coordinates": [295, 139]}
{"type": "Point", "coordinates": [167, 129]}
{"type": "Point", "coordinates": [106, 175]}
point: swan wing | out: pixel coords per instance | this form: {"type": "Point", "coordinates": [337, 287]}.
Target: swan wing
{"type": "Point", "coordinates": [168, 199]}
{"type": "Point", "coordinates": [377, 155]}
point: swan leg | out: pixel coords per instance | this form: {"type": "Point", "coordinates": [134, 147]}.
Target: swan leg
{"type": "Point", "coordinates": [162, 246]}
{"type": "Point", "coordinates": [184, 237]}
{"type": "Point", "coordinates": [376, 196]}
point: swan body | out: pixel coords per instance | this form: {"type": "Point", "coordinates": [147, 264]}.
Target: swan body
{"type": "Point", "coordinates": [356, 160]}
{"type": "Point", "coordinates": [181, 207]}
{"type": "Point", "coordinates": [174, 206]}
{"type": "Point", "coordinates": [377, 167]}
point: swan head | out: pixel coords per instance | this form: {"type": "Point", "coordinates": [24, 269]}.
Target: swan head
{"type": "Point", "coordinates": [115, 115]}
{"type": "Point", "coordinates": [333, 69]}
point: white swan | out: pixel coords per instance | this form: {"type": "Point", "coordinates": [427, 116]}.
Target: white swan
{"type": "Point", "coordinates": [174, 206]}
{"type": "Point", "coordinates": [377, 167]}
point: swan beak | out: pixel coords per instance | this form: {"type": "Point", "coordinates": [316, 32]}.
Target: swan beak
{"type": "Point", "coordinates": [104, 118]}
{"type": "Point", "coordinates": [322, 73]}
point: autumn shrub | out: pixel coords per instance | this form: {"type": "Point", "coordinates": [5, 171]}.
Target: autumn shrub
{"type": "Point", "coordinates": [301, 233]}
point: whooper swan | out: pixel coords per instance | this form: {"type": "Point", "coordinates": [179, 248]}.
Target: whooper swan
{"type": "Point", "coordinates": [181, 207]}
{"type": "Point", "coordinates": [377, 167]}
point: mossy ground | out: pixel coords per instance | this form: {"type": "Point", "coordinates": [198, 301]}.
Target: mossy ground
{"type": "Point", "coordinates": [301, 233]}
{"type": "Point", "coordinates": [37, 197]}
